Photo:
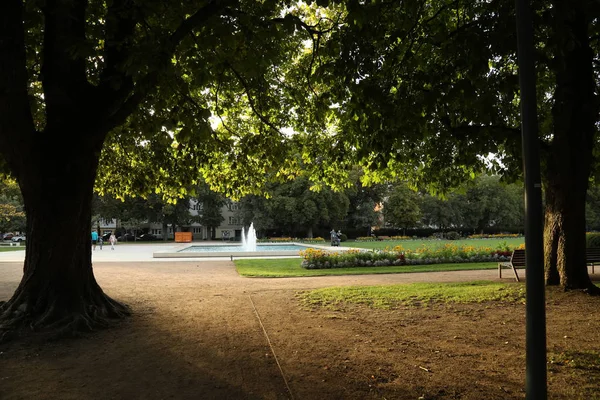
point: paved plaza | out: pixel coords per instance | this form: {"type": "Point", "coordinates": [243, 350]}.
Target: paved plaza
{"type": "Point", "coordinates": [125, 252]}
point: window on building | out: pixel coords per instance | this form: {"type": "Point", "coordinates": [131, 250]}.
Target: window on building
{"type": "Point", "coordinates": [197, 207]}
{"type": "Point", "coordinates": [233, 206]}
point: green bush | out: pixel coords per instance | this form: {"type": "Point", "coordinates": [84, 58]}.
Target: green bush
{"type": "Point", "coordinates": [452, 235]}
{"type": "Point", "coordinates": [592, 240]}
{"type": "Point", "coordinates": [343, 237]}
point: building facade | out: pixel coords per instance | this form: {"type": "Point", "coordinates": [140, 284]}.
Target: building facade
{"type": "Point", "coordinates": [230, 228]}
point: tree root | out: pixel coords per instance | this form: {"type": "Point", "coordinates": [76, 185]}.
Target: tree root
{"type": "Point", "coordinates": [54, 322]}
{"type": "Point", "coordinates": [592, 290]}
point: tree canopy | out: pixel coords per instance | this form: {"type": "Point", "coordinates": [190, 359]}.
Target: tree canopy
{"type": "Point", "coordinates": [220, 105]}
{"type": "Point", "coordinates": [427, 90]}
{"type": "Point", "coordinates": [118, 97]}
{"type": "Point", "coordinates": [142, 97]}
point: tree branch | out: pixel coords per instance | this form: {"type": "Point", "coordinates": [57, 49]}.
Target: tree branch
{"type": "Point", "coordinates": [125, 102]}
{"type": "Point", "coordinates": [218, 89]}
{"type": "Point", "coordinates": [251, 102]}
{"type": "Point", "coordinates": [499, 131]}
{"type": "Point", "coordinates": [186, 97]}
{"type": "Point", "coordinates": [412, 40]}
{"type": "Point", "coordinates": [315, 35]}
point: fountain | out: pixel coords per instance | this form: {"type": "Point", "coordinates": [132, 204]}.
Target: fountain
{"type": "Point", "coordinates": [250, 244]}
{"type": "Point", "coordinates": [248, 248]}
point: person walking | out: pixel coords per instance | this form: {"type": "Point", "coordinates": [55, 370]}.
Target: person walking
{"type": "Point", "coordinates": [113, 240]}
{"type": "Point", "coordinates": [94, 239]}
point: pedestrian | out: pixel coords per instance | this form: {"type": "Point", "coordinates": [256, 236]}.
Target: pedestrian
{"type": "Point", "coordinates": [113, 240]}
{"type": "Point", "coordinates": [334, 238]}
{"type": "Point", "coordinates": [100, 241]}
{"type": "Point", "coordinates": [94, 239]}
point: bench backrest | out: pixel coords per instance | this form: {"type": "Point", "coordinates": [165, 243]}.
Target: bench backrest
{"type": "Point", "coordinates": [592, 254]}
{"type": "Point", "coordinates": [517, 258]}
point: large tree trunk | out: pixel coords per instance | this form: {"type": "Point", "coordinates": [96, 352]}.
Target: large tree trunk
{"type": "Point", "coordinates": [564, 237]}
{"type": "Point", "coordinates": [568, 165]}
{"type": "Point", "coordinates": [58, 292]}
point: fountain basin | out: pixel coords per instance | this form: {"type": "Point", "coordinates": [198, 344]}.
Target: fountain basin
{"type": "Point", "coordinates": [228, 250]}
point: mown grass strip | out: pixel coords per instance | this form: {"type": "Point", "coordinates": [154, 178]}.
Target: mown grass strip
{"type": "Point", "coordinates": [391, 296]}
{"type": "Point", "coordinates": [12, 248]}
{"type": "Point", "coordinates": [291, 267]}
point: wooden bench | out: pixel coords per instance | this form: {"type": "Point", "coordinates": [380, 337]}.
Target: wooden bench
{"type": "Point", "coordinates": [592, 256]}
{"type": "Point", "coordinates": [517, 260]}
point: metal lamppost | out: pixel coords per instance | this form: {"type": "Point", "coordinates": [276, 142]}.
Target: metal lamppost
{"type": "Point", "coordinates": [536, 379]}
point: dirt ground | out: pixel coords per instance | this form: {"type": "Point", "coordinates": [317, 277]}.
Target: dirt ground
{"type": "Point", "coordinates": [200, 331]}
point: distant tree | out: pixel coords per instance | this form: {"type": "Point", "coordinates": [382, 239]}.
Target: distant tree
{"type": "Point", "coordinates": [442, 213]}
{"type": "Point", "coordinates": [210, 213]}
{"type": "Point", "coordinates": [12, 215]}
{"type": "Point", "coordinates": [253, 210]}
{"type": "Point", "coordinates": [294, 208]}
{"type": "Point", "coordinates": [143, 211]}
{"type": "Point", "coordinates": [592, 208]}
{"type": "Point", "coordinates": [490, 203]}
{"type": "Point", "coordinates": [11, 218]}
{"type": "Point", "coordinates": [401, 207]}
{"type": "Point", "coordinates": [9, 191]}
{"type": "Point", "coordinates": [362, 210]}
{"type": "Point", "coordinates": [297, 209]}
{"type": "Point", "coordinates": [106, 208]}
{"type": "Point", "coordinates": [175, 214]}
{"type": "Point", "coordinates": [133, 225]}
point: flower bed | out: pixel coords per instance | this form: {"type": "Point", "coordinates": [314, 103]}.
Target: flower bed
{"type": "Point", "coordinates": [374, 238]}
{"type": "Point", "coordinates": [366, 239]}
{"type": "Point", "coordinates": [449, 253]}
{"type": "Point", "coordinates": [494, 236]}
{"type": "Point", "coordinates": [274, 240]}
{"type": "Point", "coordinates": [313, 240]}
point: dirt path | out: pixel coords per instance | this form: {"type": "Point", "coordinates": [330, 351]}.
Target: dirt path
{"type": "Point", "coordinates": [200, 331]}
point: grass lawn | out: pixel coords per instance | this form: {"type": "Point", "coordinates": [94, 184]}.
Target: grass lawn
{"type": "Point", "coordinates": [290, 267]}
{"type": "Point", "coordinates": [390, 296]}
{"type": "Point", "coordinates": [433, 244]}
{"type": "Point", "coordinates": [12, 248]}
